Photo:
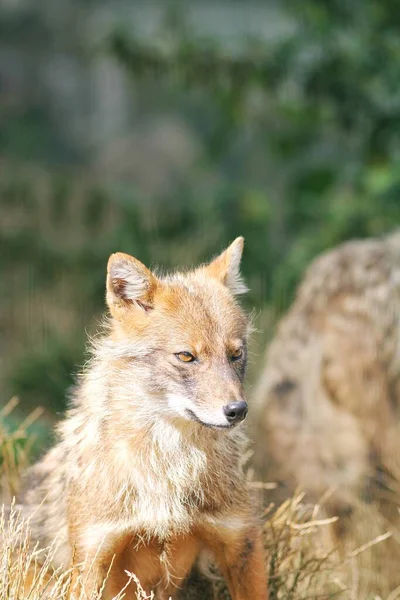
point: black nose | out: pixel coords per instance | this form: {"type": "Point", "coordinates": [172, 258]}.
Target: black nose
{"type": "Point", "coordinates": [235, 411]}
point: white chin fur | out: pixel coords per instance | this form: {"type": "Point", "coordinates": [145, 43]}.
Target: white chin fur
{"type": "Point", "coordinates": [180, 405]}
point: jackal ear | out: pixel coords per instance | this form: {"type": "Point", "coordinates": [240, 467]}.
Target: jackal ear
{"type": "Point", "coordinates": [129, 284]}
{"type": "Point", "coordinates": [226, 267]}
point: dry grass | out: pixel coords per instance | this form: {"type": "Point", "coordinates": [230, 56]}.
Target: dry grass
{"type": "Point", "coordinates": [26, 571]}
{"type": "Point", "coordinates": [15, 449]}
{"type": "Point", "coordinates": [302, 564]}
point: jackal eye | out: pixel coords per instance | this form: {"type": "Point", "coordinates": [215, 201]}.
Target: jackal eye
{"type": "Point", "coordinates": [237, 355]}
{"type": "Point", "coordinates": [185, 357]}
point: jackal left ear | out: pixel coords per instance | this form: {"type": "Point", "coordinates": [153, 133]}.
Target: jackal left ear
{"type": "Point", "coordinates": [129, 284]}
{"type": "Point", "coordinates": [226, 267]}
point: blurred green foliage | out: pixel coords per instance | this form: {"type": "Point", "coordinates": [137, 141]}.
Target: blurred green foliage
{"type": "Point", "coordinates": [299, 142]}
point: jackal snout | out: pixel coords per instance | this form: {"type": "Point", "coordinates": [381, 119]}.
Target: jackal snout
{"type": "Point", "coordinates": [226, 415]}
{"type": "Point", "coordinates": [235, 411]}
{"type": "Point", "coordinates": [214, 394]}
{"type": "Point", "coordinates": [206, 396]}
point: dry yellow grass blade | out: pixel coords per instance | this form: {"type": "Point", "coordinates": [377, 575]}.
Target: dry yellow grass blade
{"type": "Point", "coordinates": [15, 447]}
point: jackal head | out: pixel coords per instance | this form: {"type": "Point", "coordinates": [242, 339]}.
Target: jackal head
{"type": "Point", "coordinates": [186, 335]}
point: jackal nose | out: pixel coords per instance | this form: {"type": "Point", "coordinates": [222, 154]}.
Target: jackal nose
{"type": "Point", "coordinates": [235, 411]}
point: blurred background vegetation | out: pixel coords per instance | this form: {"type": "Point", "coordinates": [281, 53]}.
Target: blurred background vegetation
{"type": "Point", "coordinates": [166, 129]}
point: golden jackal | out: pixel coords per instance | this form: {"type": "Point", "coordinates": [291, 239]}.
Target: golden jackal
{"type": "Point", "coordinates": [328, 401]}
{"type": "Point", "coordinates": [148, 467]}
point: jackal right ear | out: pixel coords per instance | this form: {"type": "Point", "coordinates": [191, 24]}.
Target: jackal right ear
{"type": "Point", "coordinates": [129, 284]}
{"type": "Point", "coordinates": [226, 267]}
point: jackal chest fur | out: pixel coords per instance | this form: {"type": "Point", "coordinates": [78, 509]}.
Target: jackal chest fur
{"type": "Point", "coordinates": [165, 484]}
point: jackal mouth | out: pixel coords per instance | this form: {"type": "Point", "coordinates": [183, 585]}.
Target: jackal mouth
{"type": "Point", "coordinates": [194, 417]}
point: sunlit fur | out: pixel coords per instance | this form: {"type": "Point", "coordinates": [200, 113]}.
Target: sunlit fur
{"type": "Point", "coordinates": [147, 467]}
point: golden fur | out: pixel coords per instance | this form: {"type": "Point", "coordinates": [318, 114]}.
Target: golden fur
{"type": "Point", "coordinates": [146, 469]}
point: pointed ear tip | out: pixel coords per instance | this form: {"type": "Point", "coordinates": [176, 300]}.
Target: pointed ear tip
{"type": "Point", "coordinates": [238, 242]}
{"type": "Point", "coordinates": [120, 256]}
{"type": "Point", "coordinates": [236, 248]}
{"type": "Point", "coordinates": [113, 258]}
{"type": "Point", "coordinates": [117, 256]}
